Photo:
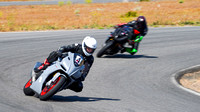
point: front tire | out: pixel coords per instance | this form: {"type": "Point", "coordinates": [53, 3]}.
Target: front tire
{"type": "Point", "coordinates": [27, 90]}
{"type": "Point", "coordinates": [102, 50]}
{"type": "Point", "coordinates": [48, 92]}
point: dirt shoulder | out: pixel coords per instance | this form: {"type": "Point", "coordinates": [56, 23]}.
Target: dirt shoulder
{"type": "Point", "coordinates": [66, 15]}
{"type": "Point", "coordinates": [191, 81]}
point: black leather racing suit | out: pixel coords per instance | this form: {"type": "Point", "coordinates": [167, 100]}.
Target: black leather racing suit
{"type": "Point", "coordinates": [74, 48]}
{"type": "Point", "coordinates": [129, 28]}
{"type": "Point", "coordinates": [77, 48]}
{"type": "Point", "coordinates": [130, 33]}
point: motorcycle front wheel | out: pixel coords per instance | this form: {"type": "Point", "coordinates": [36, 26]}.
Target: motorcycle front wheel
{"type": "Point", "coordinates": [27, 90]}
{"type": "Point", "coordinates": [49, 91]}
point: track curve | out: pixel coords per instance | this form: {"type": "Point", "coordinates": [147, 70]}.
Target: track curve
{"type": "Point", "coordinates": [120, 83]}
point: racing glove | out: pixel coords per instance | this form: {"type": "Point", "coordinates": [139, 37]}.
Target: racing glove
{"type": "Point", "coordinates": [53, 56]}
{"type": "Point", "coordinates": [138, 38]}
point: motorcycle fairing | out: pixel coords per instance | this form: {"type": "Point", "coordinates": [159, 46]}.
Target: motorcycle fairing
{"type": "Point", "coordinates": [37, 85]}
{"type": "Point", "coordinates": [65, 65]}
{"type": "Point", "coordinates": [72, 69]}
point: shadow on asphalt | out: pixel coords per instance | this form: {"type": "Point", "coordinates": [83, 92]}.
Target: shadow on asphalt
{"type": "Point", "coordinates": [58, 98]}
{"type": "Point", "coordinates": [128, 56]}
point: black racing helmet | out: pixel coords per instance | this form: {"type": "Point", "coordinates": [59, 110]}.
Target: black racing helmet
{"type": "Point", "coordinates": [141, 23]}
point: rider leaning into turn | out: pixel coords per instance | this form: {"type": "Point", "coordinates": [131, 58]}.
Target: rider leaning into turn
{"type": "Point", "coordinates": [86, 49]}
{"type": "Point", "coordinates": [135, 35]}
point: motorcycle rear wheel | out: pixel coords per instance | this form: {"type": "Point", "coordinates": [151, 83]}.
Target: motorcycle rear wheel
{"type": "Point", "coordinates": [27, 90]}
{"type": "Point", "coordinates": [48, 92]}
{"type": "Point", "coordinates": [104, 48]}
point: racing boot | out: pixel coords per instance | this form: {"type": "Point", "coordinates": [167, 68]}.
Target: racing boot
{"type": "Point", "coordinates": [131, 51]}
{"type": "Point", "coordinates": [123, 50]}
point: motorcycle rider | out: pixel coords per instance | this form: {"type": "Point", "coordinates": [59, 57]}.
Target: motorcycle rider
{"type": "Point", "coordinates": [135, 31]}
{"type": "Point", "coordinates": [86, 49]}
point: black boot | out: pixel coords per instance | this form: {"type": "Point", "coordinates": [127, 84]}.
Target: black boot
{"type": "Point", "coordinates": [123, 50]}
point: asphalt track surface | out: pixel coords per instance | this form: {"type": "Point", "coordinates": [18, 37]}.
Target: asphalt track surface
{"type": "Point", "coordinates": [119, 83]}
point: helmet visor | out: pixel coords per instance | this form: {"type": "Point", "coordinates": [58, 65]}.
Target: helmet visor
{"type": "Point", "coordinates": [88, 49]}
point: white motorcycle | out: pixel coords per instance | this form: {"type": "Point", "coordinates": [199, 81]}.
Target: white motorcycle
{"type": "Point", "coordinates": [58, 76]}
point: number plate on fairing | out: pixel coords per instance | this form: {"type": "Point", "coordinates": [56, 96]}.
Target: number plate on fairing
{"type": "Point", "coordinates": [78, 60]}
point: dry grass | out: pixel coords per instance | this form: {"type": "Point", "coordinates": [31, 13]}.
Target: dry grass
{"type": "Point", "coordinates": [78, 16]}
{"type": "Point", "coordinates": [17, 0]}
{"type": "Point", "coordinates": [191, 81]}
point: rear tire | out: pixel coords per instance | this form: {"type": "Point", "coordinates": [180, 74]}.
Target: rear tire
{"type": "Point", "coordinates": [27, 90]}
{"type": "Point", "coordinates": [48, 92]}
{"type": "Point", "coordinates": [104, 48]}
